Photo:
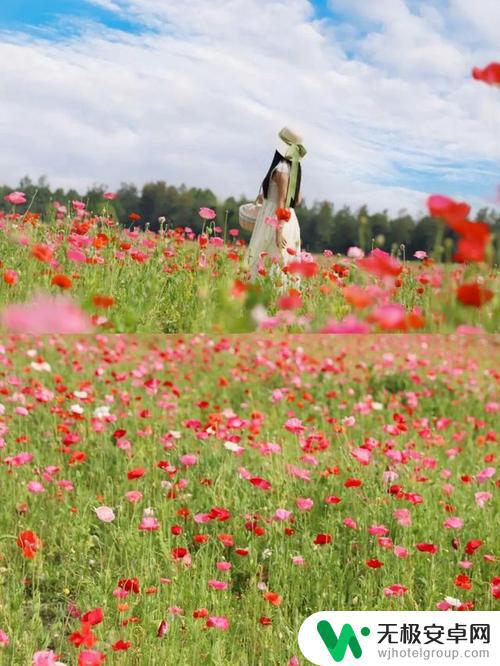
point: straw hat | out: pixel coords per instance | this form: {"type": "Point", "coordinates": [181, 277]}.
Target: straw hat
{"type": "Point", "coordinates": [287, 139]}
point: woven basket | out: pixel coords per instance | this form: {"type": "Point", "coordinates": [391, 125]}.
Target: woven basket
{"type": "Point", "coordinates": [248, 215]}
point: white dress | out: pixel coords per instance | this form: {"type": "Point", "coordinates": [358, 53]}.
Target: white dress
{"type": "Point", "coordinates": [263, 238]}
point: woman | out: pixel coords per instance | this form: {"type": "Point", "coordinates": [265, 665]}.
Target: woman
{"type": "Point", "coordinates": [278, 240]}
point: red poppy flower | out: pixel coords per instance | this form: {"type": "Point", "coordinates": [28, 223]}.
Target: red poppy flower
{"type": "Point", "coordinates": [283, 214]}
{"type": "Point", "coordinates": [473, 294]}
{"type": "Point", "coordinates": [62, 281]}
{"type": "Point", "coordinates": [292, 301]}
{"type": "Point", "coordinates": [427, 548]}
{"type": "Point", "coordinates": [100, 240]}
{"type": "Point", "coordinates": [42, 252]}
{"type": "Point", "coordinates": [323, 539]}
{"type": "Point", "coordinates": [83, 637]}
{"type": "Point", "coordinates": [273, 598]}
{"type": "Point", "coordinates": [129, 585]}
{"type": "Point", "coordinates": [200, 613]}
{"type": "Point", "coordinates": [495, 587]}
{"type": "Point", "coordinates": [179, 553]}
{"type": "Point", "coordinates": [94, 616]}
{"type": "Point", "coordinates": [490, 74]}
{"type": "Point", "coordinates": [357, 296]}
{"type": "Point", "coordinates": [463, 581]}
{"type": "Point", "coordinates": [452, 212]}
{"type": "Point", "coordinates": [10, 277]}
{"type": "Point", "coordinates": [265, 621]}
{"type": "Point", "coordinates": [306, 269]}
{"type": "Point", "coordinates": [29, 542]}
{"type": "Point", "coordinates": [226, 540]}
{"type": "Point", "coordinates": [136, 473]}
{"type": "Point", "coordinates": [353, 483]}
{"type": "Point", "coordinates": [332, 499]}
{"type": "Point", "coordinates": [374, 564]}
{"type": "Point", "coordinates": [260, 483]}
{"type": "Point", "coordinates": [134, 217]}
{"type": "Point", "coordinates": [162, 629]}
{"type": "Point", "coordinates": [201, 538]}
{"type": "Point", "coordinates": [103, 301]}
{"type": "Point", "coordinates": [121, 645]}
{"type": "Point", "coordinates": [381, 264]}
{"type": "Point", "coordinates": [473, 545]}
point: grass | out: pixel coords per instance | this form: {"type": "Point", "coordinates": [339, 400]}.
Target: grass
{"type": "Point", "coordinates": [191, 396]}
{"type": "Point", "coordinates": [169, 283]}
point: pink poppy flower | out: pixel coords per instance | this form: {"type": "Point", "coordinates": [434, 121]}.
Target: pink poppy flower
{"type": "Point", "coordinates": [378, 530]}
{"type": "Point", "coordinates": [134, 496]}
{"type": "Point", "coordinates": [105, 514]}
{"type": "Point", "coordinates": [91, 658]}
{"type": "Point", "coordinates": [45, 314]}
{"type": "Point", "coordinates": [401, 552]}
{"type": "Point", "coordinates": [403, 516]}
{"type": "Point", "coordinates": [482, 497]}
{"type": "Point", "coordinates": [349, 324]}
{"type": "Point", "coordinates": [76, 255]}
{"type": "Point", "coordinates": [363, 456]}
{"type": "Point", "coordinates": [294, 425]}
{"type": "Point", "coordinates": [355, 253]}
{"type": "Point", "coordinates": [189, 459]}
{"type": "Point", "coordinates": [15, 198]}
{"type": "Point", "coordinates": [224, 566]}
{"type": "Point", "coordinates": [218, 584]}
{"type": "Point", "coordinates": [45, 658]}
{"type": "Point", "coordinates": [218, 622]}
{"type": "Point", "coordinates": [272, 222]}
{"type": "Point", "coordinates": [352, 524]}
{"type": "Point", "coordinates": [282, 514]}
{"type": "Point", "coordinates": [395, 590]}
{"type": "Point", "coordinates": [304, 503]}
{"type": "Point", "coordinates": [207, 213]}
{"type": "Point", "coordinates": [485, 474]}
{"type": "Point", "coordinates": [454, 523]}
{"type": "Point", "coordinates": [110, 196]}
{"type": "Point", "coordinates": [35, 487]}
{"type": "Point", "coordinates": [149, 524]}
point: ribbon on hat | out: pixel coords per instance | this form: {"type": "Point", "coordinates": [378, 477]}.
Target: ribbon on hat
{"type": "Point", "coordinates": [295, 152]}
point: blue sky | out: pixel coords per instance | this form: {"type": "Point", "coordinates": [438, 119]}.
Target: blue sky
{"type": "Point", "coordinates": [33, 15]}
{"type": "Point", "coordinates": [29, 14]}
{"type": "Point", "coordinates": [137, 90]}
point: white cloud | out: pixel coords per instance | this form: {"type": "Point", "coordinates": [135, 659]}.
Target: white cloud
{"type": "Point", "coordinates": [200, 100]}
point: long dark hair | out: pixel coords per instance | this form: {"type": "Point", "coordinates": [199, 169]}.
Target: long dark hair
{"type": "Point", "coordinates": [278, 157]}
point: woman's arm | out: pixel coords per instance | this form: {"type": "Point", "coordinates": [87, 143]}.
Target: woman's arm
{"type": "Point", "coordinates": [281, 180]}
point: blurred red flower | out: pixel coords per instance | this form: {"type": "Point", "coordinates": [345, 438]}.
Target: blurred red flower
{"type": "Point", "coordinates": [29, 542]}
{"type": "Point", "coordinates": [473, 294]}
{"type": "Point", "coordinates": [490, 74]}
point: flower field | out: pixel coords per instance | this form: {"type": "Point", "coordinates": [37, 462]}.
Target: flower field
{"type": "Point", "coordinates": [76, 272]}
{"type": "Point", "coordinates": [191, 500]}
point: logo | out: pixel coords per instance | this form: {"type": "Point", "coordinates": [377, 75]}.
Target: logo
{"type": "Point", "coordinates": [337, 647]}
{"type": "Point", "coordinates": [401, 638]}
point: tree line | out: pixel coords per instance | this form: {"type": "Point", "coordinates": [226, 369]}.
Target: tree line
{"type": "Point", "coordinates": [323, 225]}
